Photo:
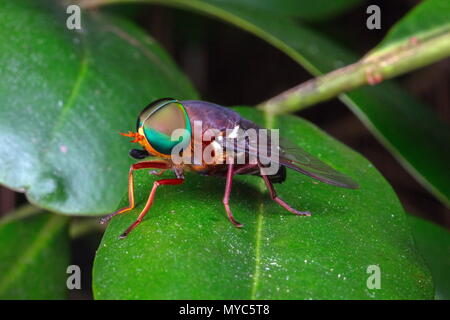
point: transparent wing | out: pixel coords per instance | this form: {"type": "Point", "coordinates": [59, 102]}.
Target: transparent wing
{"type": "Point", "coordinates": [298, 159]}
{"type": "Point", "coordinates": [289, 155]}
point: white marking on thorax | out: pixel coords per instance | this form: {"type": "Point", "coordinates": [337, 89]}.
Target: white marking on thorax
{"type": "Point", "coordinates": [234, 133]}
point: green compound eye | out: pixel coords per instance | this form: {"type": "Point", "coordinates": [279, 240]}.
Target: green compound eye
{"type": "Point", "coordinates": [160, 119]}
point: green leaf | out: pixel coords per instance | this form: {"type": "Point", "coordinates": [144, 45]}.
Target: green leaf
{"type": "Point", "coordinates": [419, 140]}
{"type": "Point", "coordinates": [406, 127]}
{"type": "Point", "coordinates": [65, 95]}
{"type": "Point", "coordinates": [34, 255]}
{"type": "Point", "coordinates": [309, 10]}
{"type": "Point", "coordinates": [428, 19]}
{"type": "Point", "coordinates": [433, 242]}
{"type": "Point", "coordinates": [187, 249]}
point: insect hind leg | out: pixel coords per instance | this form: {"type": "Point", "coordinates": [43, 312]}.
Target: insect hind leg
{"type": "Point", "coordinates": [281, 202]}
{"type": "Point", "coordinates": [226, 197]}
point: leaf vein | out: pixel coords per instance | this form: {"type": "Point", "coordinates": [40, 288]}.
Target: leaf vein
{"type": "Point", "coordinates": [43, 237]}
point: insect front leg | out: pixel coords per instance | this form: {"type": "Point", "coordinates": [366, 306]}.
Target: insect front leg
{"type": "Point", "coordinates": [226, 197]}
{"type": "Point", "coordinates": [280, 201]}
{"type": "Point", "coordinates": [149, 203]}
{"type": "Point", "coordinates": [137, 166]}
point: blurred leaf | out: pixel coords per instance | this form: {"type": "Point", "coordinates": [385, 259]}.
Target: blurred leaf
{"type": "Point", "coordinates": [407, 128]}
{"type": "Point", "coordinates": [309, 10]}
{"type": "Point", "coordinates": [65, 95]}
{"type": "Point", "coordinates": [34, 256]}
{"type": "Point", "coordinates": [433, 242]}
{"type": "Point", "coordinates": [187, 249]}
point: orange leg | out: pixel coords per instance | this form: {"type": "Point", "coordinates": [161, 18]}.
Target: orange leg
{"type": "Point", "coordinates": [136, 166]}
{"type": "Point", "coordinates": [149, 203]}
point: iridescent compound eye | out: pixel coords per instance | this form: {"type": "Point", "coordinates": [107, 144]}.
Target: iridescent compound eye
{"type": "Point", "coordinates": [160, 120]}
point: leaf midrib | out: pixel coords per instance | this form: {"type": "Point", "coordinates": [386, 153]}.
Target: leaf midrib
{"type": "Point", "coordinates": [83, 70]}
{"type": "Point", "coordinates": [81, 74]}
{"type": "Point", "coordinates": [268, 124]}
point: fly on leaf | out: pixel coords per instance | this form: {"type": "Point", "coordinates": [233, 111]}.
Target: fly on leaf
{"type": "Point", "coordinates": [213, 140]}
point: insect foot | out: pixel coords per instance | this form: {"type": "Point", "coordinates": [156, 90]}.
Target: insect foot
{"type": "Point", "coordinates": [301, 213]}
{"type": "Point", "coordinates": [106, 218]}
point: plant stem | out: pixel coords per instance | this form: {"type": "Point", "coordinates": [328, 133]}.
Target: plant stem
{"type": "Point", "coordinates": [372, 69]}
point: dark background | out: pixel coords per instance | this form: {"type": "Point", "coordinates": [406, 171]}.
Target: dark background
{"type": "Point", "coordinates": [230, 67]}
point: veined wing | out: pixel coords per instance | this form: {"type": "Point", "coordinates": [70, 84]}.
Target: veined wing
{"type": "Point", "coordinates": [289, 155]}
{"type": "Point", "coordinates": [292, 156]}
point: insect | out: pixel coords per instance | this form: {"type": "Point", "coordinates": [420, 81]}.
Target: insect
{"type": "Point", "coordinates": [154, 129]}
